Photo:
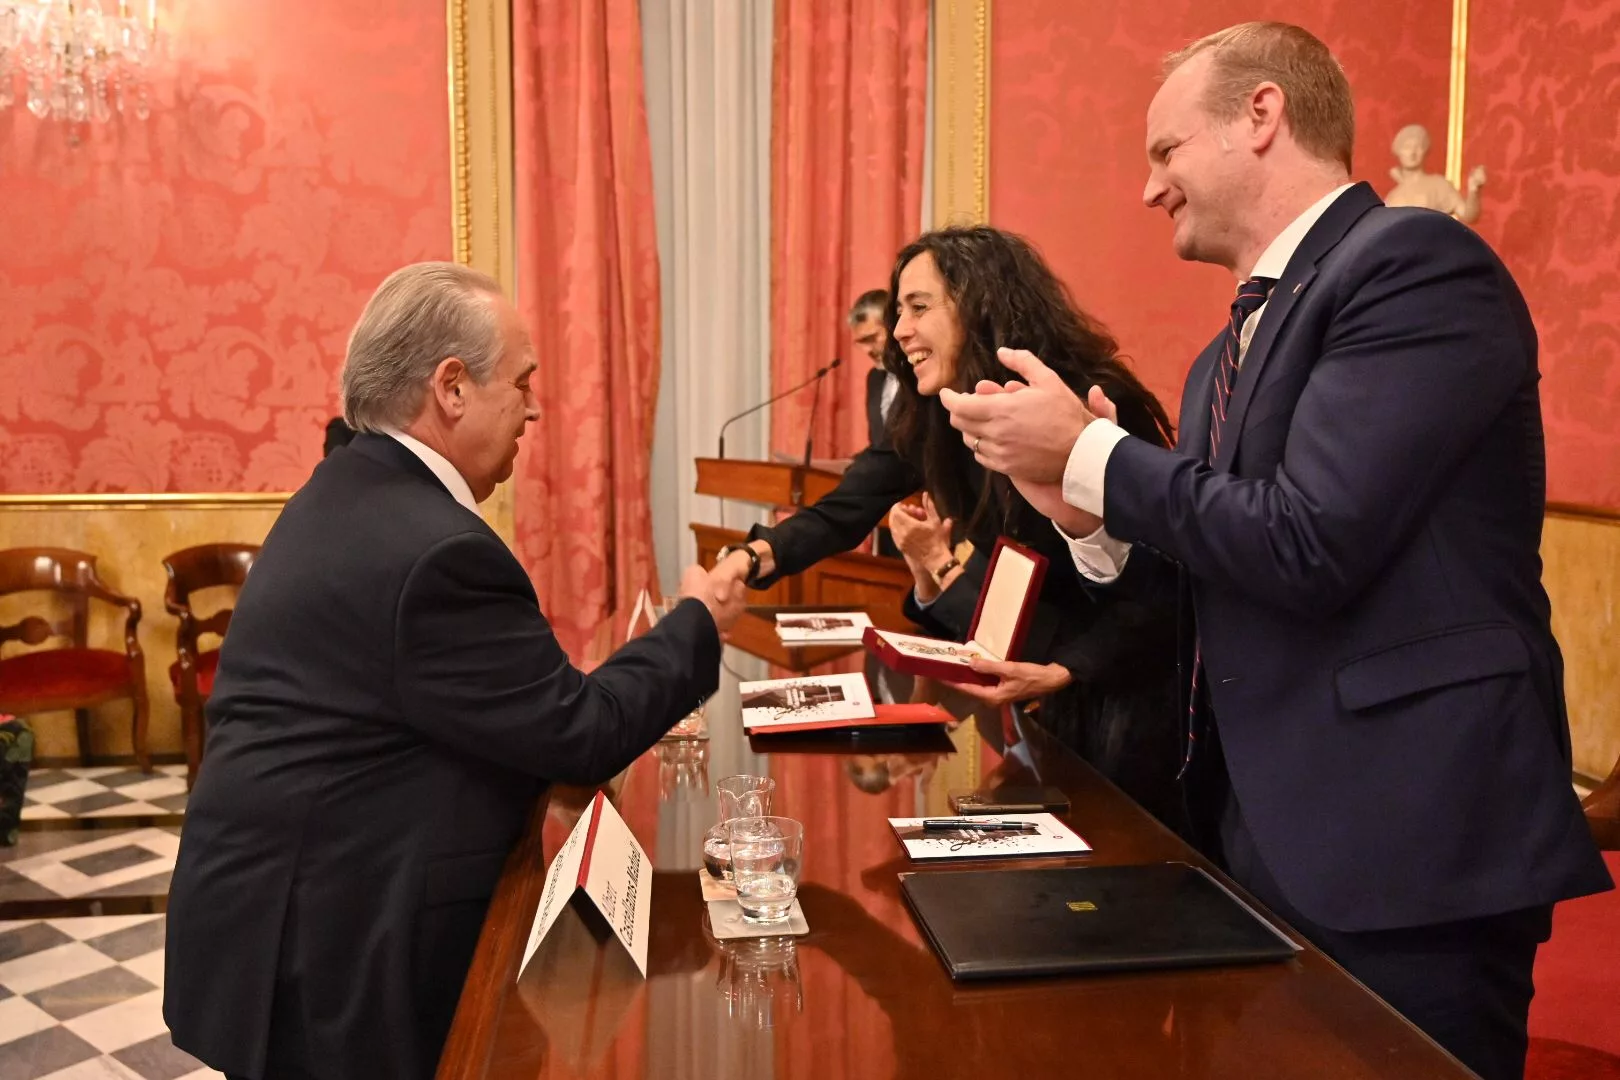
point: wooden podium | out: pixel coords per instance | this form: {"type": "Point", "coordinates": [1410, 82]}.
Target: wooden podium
{"type": "Point", "coordinates": [874, 583]}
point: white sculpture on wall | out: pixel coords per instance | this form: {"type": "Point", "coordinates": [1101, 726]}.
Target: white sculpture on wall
{"type": "Point", "coordinates": [1414, 187]}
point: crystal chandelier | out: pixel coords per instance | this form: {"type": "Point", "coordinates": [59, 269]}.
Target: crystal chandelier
{"type": "Point", "coordinates": [76, 60]}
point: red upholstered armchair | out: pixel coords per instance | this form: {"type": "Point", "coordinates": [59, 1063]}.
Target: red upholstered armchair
{"type": "Point", "coordinates": [207, 566]}
{"type": "Point", "coordinates": [74, 677]}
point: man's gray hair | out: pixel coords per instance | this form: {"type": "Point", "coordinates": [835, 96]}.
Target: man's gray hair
{"type": "Point", "coordinates": [873, 303]}
{"type": "Point", "coordinates": [420, 315]}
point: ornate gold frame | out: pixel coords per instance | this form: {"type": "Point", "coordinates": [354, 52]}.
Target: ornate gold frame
{"type": "Point", "coordinates": [480, 87]}
{"type": "Point", "coordinates": [479, 35]}
{"type": "Point", "coordinates": [1459, 93]}
{"type": "Point", "coordinates": [961, 112]}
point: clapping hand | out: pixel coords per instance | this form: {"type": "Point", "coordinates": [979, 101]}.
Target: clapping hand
{"type": "Point", "coordinates": [922, 536]}
{"type": "Point", "coordinates": [1024, 430]}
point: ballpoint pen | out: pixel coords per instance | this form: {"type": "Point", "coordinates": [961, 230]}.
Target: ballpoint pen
{"type": "Point", "coordinates": [982, 823]}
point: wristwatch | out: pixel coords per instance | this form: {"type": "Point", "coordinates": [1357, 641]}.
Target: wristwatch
{"type": "Point", "coordinates": [942, 569]}
{"type": "Point", "coordinates": [753, 559]}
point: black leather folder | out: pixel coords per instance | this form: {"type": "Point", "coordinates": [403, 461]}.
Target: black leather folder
{"type": "Point", "coordinates": [988, 924]}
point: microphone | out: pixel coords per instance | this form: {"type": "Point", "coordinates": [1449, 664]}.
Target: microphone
{"type": "Point", "coordinates": [816, 378]}
{"type": "Point", "coordinates": [810, 434]}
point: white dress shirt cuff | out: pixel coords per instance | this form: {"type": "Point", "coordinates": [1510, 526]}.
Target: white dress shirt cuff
{"type": "Point", "coordinates": [1098, 557]}
{"type": "Point", "coordinates": [1088, 462]}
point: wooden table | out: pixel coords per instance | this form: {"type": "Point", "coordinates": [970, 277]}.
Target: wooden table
{"type": "Point", "coordinates": [863, 995]}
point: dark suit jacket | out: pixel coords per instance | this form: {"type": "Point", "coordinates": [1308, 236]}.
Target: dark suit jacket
{"type": "Point", "coordinates": [874, 405]}
{"type": "Point", "coordinates": [389, 703]}
{"type": "Point", "coordinates": [877, 436]}
{"type": "Point", "coordinates": [1363, 558]}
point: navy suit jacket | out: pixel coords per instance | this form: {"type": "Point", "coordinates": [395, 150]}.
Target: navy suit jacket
{"type": "Point", "coordinates": [874, 406]}
{"type": "Point", "coordinates": [389, 703]}
{"type": "Point", "coordinates": [1363, 557]}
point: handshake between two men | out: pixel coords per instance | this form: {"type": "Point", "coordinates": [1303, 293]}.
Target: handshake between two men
{"type": "Point", "coordinates": [723, 594]}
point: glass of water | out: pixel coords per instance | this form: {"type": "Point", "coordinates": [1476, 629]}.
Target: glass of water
{"type": "Point", "coordinates": [767, 854]}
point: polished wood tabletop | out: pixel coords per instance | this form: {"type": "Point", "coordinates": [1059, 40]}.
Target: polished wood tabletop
{"type": "Point", "coordinates": [862, 995]}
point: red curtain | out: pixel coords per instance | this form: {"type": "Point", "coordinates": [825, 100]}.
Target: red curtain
{"type": "Point", "coordinates": [847, 128]}
{"type": "Point", "coordinates": [588, 286]}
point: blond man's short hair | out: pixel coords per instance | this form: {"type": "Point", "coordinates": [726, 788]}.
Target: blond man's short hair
{"type": "Point", "coordinates": [1316, 95]}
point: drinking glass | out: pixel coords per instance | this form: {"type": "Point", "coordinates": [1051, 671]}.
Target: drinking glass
{"type": "Point", "coordinates": [767, 854]}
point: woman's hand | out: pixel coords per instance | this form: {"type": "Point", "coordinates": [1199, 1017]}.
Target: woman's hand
{"type": "Point", "coordinates": [1019, 681]}
{"type": "Point", "coordinates": [919, 532]}
{"type": "Point", "coordinates": [925, 541]}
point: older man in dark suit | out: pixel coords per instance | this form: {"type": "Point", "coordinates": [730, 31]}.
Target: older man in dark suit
{"type": "Point", "coordinates": [1378, 741]}
{"type": "Point", "coordinates": [389, 703]}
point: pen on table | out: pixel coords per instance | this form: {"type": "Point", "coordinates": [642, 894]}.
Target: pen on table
{"type": "Point", "coordinates": [993, 824]}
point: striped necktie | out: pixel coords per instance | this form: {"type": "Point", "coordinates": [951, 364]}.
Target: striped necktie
{"type": "Point", "coordinates": [1251, 296]}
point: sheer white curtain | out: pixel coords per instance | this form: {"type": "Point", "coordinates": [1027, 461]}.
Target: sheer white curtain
{"type": "Point", "coordinates": [708, 83]}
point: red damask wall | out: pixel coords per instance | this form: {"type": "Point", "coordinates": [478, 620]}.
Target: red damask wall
{"type": "Point", "coordinates": [1543, 98]}
{"type": "Point", "coordinates": [175, 295]}
{"type": "Point", "coordinates": [1070, 85]}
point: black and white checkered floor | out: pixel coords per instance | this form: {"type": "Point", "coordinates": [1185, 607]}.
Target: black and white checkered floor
{"type": "Point", "coordinates": [81, 929]}
{"type": "Point", "coordinates": [58, 866]}
{"type": "Point", "coordinates": [108, 791]}
{"type": "Point", "coordinates": [81, 999]}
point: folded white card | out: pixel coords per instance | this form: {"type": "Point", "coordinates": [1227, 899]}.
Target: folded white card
{"type": "Point", "coordinates": [601, 864]}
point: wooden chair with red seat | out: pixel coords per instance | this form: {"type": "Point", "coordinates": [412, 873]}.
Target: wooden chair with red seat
{"type": "Point", "coordinates": [75, 677]}
{"type": "Point", "coordinates": [206, 566]}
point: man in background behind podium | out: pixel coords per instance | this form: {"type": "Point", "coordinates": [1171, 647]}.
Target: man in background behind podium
{"type": "Point", "coordinates": [389, 704]}
{"type": "Point", "coordinates": [871, 334]}
{"type": "Point", "coordinates": [867, 330]}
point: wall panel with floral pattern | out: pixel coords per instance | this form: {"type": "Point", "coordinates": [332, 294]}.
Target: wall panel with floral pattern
{"type": "Point", "coordinates": [176, 294]}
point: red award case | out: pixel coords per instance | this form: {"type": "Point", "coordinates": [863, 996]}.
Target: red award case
{"type": "Point", "coordinates": [1000, 621]}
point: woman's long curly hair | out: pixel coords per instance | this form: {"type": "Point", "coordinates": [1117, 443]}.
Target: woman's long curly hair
{"type": "Point", "coordinates": [1005, 296]}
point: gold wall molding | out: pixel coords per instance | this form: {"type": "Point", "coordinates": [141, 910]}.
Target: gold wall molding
{"type": "Point", "coordinates": [479, 69]}
{"type": "Point", "coordinates": [1457, 106]}
{"type": "Point", "coordinates": [961, 167]}
{"type": "Point", "coordinates": [224, 500]}
{"type": "Point", "coordinates": [480, 92]}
